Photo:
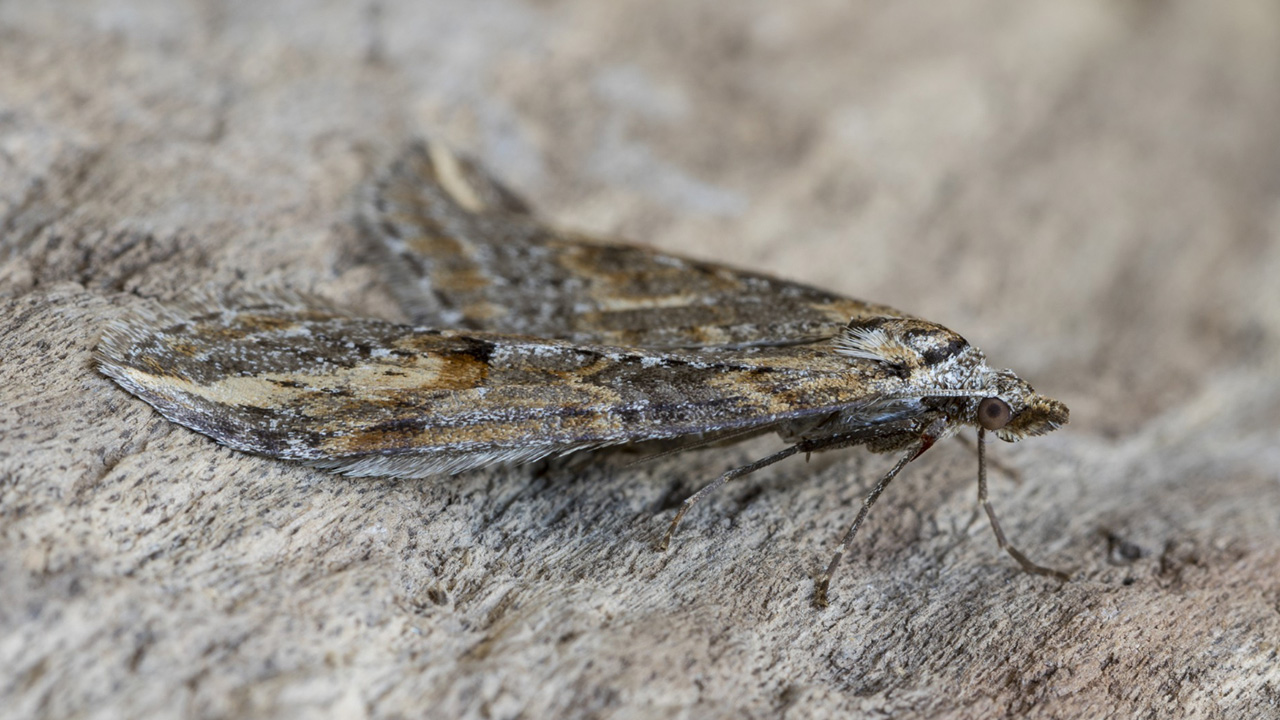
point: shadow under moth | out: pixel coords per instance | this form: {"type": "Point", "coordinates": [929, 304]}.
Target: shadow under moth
{"type": "Point", "coordinates": [530, 341]}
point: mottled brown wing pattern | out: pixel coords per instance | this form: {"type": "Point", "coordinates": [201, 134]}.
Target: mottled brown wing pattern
{"type": "Point", "coordinates": [463, 251]}
{"type": "Point", "coordinates": [299, 381]}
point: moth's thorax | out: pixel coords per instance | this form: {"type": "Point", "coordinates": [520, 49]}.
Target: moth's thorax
{"type": "Point", "coordinates": [920, 354]}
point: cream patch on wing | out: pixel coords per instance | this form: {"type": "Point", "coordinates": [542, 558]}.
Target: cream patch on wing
{"type": "Point", "coordinates": [451, 177]}
{"type": "Point", "coordinates": [613, 303]}
{"type": "Point", "coordinates": [267, 390]}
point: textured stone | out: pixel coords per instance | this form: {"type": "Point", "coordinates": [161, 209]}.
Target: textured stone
{"type": "Point", "coordinates": [1089, 191]}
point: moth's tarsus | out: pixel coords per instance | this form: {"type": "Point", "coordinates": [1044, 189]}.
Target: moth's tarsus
{"type": "Point", "coordinates": [820, 587]}
{"type": "Point", "coordinates": [1023, 560]}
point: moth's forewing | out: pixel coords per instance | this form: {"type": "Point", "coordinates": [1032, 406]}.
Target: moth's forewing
{"type": "Point", "coordinates": [464, 252]}
{"type": "Point", "coordinates": [305, 383]}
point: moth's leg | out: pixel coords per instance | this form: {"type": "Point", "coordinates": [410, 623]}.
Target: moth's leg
{"type": "Point", "coordinates": [1026, 563]}
{"type": "Point", "coordinates": [1012, 473]}
{"type": "Point", "coordinates": [824, 580]}
{"type": "Point", "coordinates": [731, 475]}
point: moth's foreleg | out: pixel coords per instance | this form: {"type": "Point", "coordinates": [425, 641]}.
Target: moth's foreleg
{"type": "Point", "coordinates": [1009, 471]}
{"type": "Point", "coordinates": [731, 475]}
{"type": "Point", "coordinates": [1023, 561]}
{"type": "Point", "coordinates": [824, 580]}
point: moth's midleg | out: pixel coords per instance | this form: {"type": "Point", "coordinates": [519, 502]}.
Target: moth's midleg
{"type": "Point", "coordinates": [1004, 544]}
{"type": "Point", "coordinates": [731, 475]}
{"type": "Point", "coordinates": [824, 580]}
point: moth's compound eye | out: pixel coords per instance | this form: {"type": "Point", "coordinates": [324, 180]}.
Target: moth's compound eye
{"type": "Point", "coordinates": [994, 413]}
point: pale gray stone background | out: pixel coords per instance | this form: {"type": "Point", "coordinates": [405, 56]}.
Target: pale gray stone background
{"type": "Point", "coordinates": [1088, 190]}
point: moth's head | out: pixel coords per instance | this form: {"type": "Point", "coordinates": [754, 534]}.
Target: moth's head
{"type": "Point", "coordinates": [932, 360]}
{"type": "Point", "coordinates": [1014, 409]}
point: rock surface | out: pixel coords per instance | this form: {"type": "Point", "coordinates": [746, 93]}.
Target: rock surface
{"type": "Point", "coordinates": [1090, 191]}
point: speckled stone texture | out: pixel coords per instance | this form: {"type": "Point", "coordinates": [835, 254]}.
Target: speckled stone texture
{"type": "Point", "coordinates": [1090, 191]}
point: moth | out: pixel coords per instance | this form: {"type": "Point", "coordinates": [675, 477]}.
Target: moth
{"type": "Point", "coordinates": [529, 341]}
